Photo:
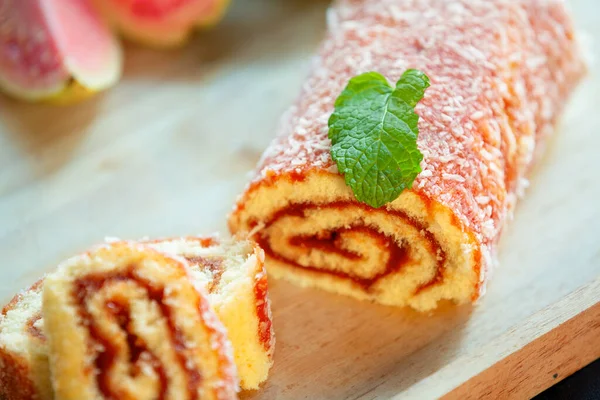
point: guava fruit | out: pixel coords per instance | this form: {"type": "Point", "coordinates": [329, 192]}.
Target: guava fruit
{"type": "Point", "coordinates": [161, 23]}
{"type": "Point", "coordinates": [58, 50]}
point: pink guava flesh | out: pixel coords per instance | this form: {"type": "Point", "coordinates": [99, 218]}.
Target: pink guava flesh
{"type": "Point", "coordinates": [29, 57]}
{"type": "Point", "coordinates": [163, 11]}
{"type": "Point", "coordinates": [90, 51]}
{"type": "Point", "coordinates": [46, 43]}
{"type": "Point", "coordinates": [159, 21]}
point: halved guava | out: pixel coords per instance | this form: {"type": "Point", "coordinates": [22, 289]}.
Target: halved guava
{"type": "Point", "coordinates": [161, 22]}
{"type": "Point", "coordinates": [55, 48]}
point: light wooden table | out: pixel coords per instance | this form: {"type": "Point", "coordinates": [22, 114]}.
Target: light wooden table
{"type": "Point", "coordinates": [167, 150]}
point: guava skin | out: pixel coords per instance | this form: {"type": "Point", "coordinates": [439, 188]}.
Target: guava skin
{"type": "Point", "coordinates": [55, 50]}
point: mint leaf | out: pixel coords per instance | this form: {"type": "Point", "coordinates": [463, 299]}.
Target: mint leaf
{"type": "Point", "coordinates": [373, 132]}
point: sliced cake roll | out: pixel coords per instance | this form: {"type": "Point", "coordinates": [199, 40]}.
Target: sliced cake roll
{"type": "Point", "coordinates": [24, 372]}
{"type": "Point", "coordinates": [359, 222]}
{"type": "Point", "coordinates": [233, 274]}
{"type": "Point", "coordinates": [124, 321]}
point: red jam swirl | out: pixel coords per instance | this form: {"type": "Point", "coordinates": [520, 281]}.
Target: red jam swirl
{"type": "Point", "coordinates": [213, 264]}
{"type": "Point", "coordinates": [104, 360]}
{"type": "Point", "coordinates": [329, 242]}
{"type": "Point", "coordinates": [265, 324]}
{"type": "Point", "coordinates": [34, 330]}
{"type": "Point", "coordinates": [120, 310]}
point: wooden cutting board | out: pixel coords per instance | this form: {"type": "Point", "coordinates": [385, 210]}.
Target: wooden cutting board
{"type": "Point", "coordinates": [167, 151]}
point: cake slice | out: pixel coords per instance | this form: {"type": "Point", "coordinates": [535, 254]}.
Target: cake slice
{"type": "Point", "coordinates": [24, 373]}
{"type": "Point", "coordinates": [125, 321]}
{"type": "Point", "coordinates": [233, 274]}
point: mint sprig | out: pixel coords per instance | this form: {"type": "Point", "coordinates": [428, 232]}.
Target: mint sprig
{"type": "Point", "coordinates": [373, 132]}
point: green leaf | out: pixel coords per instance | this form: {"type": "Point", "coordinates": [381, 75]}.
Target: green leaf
{"type": "Point", "coordinates": [373, 132]}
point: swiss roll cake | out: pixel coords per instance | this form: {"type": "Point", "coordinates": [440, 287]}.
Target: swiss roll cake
{"type": "Point", "coordinates": [231, 275]}
{"type": "Point", "coordinates": [125, 321]}
{"type": "Point", "coordinates": [492, 79]}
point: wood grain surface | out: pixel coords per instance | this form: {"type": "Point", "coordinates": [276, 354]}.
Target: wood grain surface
{"type": "Point", "coordinates": [167, 151]}
{"type": "Point", "coordinates": [560, 349]}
